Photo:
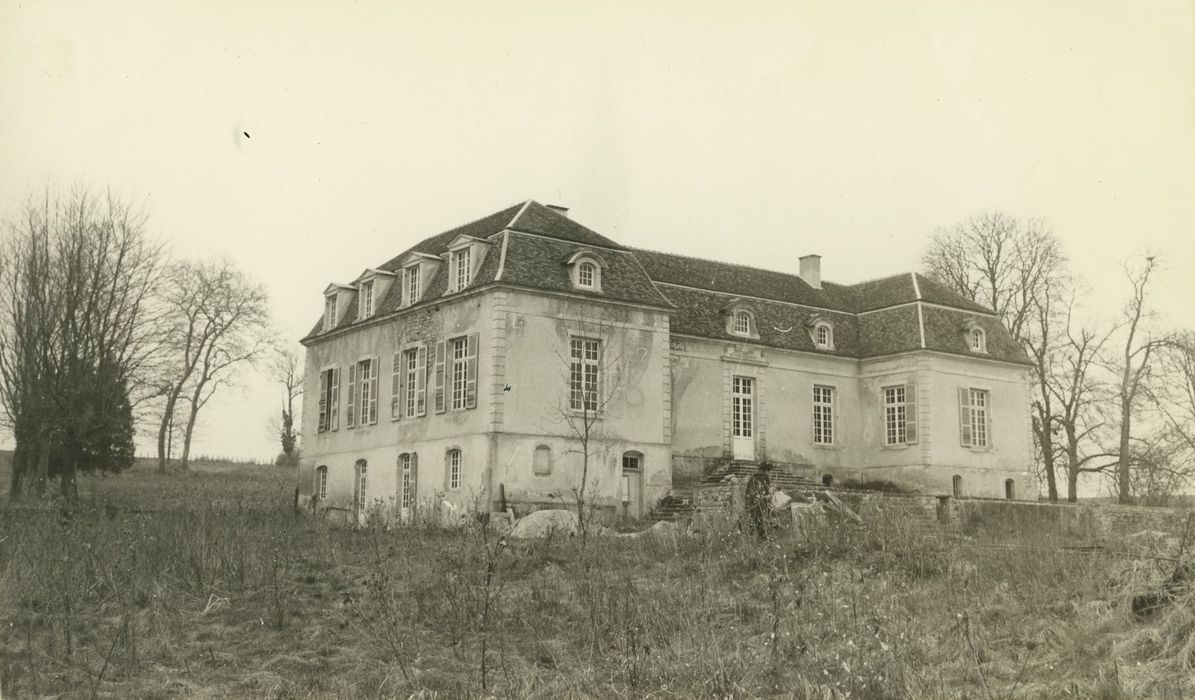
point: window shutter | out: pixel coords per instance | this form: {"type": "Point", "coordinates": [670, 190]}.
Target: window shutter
{"type": "Point", "coordinates": [439, 379]}
{"type": "Point", "coordinates": [964, 416]}
{"type": "Point", "coordinates": [414, 482]}
{"type": "Point", "coordinates": [396, 387]}
{"type": "Point", "coordinates": [421, 381]}
{"type": "Point", "coordinates": [373, 390]}
{"type": "Point", "coordinates": [471, 372]}
{"type": "Point", "coordinates": [352, 412]}
{"type": "Point", "coordinates": [334, 409]}
{"type": "Point", "coordinates": [910, 413]}
{"type": "Point", "coordinates": [323, 402]}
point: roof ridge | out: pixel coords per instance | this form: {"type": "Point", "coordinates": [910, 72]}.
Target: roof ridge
{"type": "Point", "coordinates": [731, 264]}
{"type": "Point", "coordinates": [519, 213]}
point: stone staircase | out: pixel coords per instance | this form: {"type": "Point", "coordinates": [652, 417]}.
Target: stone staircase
{"type": "Point", "coordinates": [781, 477]}
{"type": "Point", "coordinates": [680, 501]}
{"type": "Point", "coordinates": [677, 505]}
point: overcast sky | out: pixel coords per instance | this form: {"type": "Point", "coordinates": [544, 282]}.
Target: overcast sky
{"type": "Point", "coordinates": [753, 135]}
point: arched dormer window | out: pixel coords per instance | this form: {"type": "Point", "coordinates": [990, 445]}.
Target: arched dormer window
{"type": "Point", "coordinates": [823, 336]}
{"type": "Point", "coordinates": [975, 337]}
{"type": "Point", "coordinates": [821, 332]}
{"type": "Point", "coordinates": [977, 340]}
{"type": "Point", "coordinates": [585, 271]}
{"type": "Point", "coordinates": [740, 321]}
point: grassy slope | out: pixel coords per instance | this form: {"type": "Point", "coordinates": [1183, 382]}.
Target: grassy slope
{"type": "Point", "coordinates": [237, 597]}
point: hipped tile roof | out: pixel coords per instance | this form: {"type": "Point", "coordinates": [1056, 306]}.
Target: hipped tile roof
{"type": "Point", "coordinates": [869, 319]}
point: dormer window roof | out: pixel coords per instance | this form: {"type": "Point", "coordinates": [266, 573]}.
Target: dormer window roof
{"type": "Point", "coordinates": [585, 270]}
{"type": "Point", "coordinates": [977, 339]}
{"type": "Point", "coordinates": [740, 320]}
{"type": "Point", "coordinates": [821, 332]}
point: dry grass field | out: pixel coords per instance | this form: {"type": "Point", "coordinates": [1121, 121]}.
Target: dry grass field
{"type": "Point", "coordinates": [207, 585]}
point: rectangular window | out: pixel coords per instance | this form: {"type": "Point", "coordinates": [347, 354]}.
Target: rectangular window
{"type": "Point", "coordinates": [411, 382]}
{"type": "Point", "coordinates": [365, 309]}
{"type": "Point", "coordinates": [461, 270]}
{"type": "Point", "coordinates": [584, 374]}
{"type": "Point", "coordinates": [362, 484]}
{"type": "Point", "coordinates": [460, 354]}
{"type": "Point", "coordinates": [407, 466]}
{"type": "Point", "coordinates": [329, 400]}
{"type": "Point", "coordinates": [585, 275]}
{"type": "Point", "coordinates": [454, 469]}
{"type": "Point", "coordinates": [412, 284]}
{"type": "Point", "coordinates": [330, 312]}
{"type": "Point", "coordinates": [396, 386]}
{"type": "Point", "coordinates": [741, 410]}
{"type": "Point", "coordinates": [973, 417]}
{"type": "Point", "coordinates": [900, 414]}
{"type": "Point", "coordinates": [367, 391]}
{"type": "Point", "coordinates": [823, 415]}
{"type": "Point", "coordinates": [321, 483]}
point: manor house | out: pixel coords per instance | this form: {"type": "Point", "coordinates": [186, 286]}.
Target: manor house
{"type": "Point", "coordinates": [495, 363]}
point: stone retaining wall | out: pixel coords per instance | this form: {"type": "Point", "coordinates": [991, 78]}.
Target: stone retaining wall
{"type": "Point", "coordinates": [1098, 521]}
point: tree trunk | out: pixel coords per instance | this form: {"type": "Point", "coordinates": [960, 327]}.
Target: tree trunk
{"type": "Point", "coordinates": [43, 468]}
{"type": "Point", "coordinates": [164, 428]}
{"type": "Point", "coordinates": [1124, 494]}
{"type": "Point", "coordinates": [1048, 461]}
{"type": "Point", "coordinates": [16, 482]}
{"type": "Point", "coordinates": [67, 486]}
{"type": "Point", "coordinates": [190, 430]}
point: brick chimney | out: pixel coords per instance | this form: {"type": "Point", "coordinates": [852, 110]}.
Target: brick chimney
{"type": "Point", "coordinates": [811, 270]}
{"type": "Point", "coordinates": [563, 211]}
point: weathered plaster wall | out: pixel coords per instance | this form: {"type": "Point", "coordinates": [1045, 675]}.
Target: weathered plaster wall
{"type": "Point", "coordinates": [535, 397]}
{"type": "Point", "coordinates": [428, 436]}
{"type": "Point", "coordinates": [522, 394]}
{"type": "Point", "coordinates": [930, 465]}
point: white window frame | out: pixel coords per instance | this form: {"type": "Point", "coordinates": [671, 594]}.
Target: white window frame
{"type": "Point", "coordinates": [741, 324]}
{"type": "Point", "coordinates": [330, 305]}
{"type": "Point", "coordinates": [742, 406]}
{"type": "Point", "coordinates": [823, 414]}
{"type": "Point", "coordinates": [365, 299]}
{"type": "Point", "coordinates": [328, 413]}
{"type": "Point", "coordinates": [828, 342]}
{"type": "Point", "coordinates": [413, 290]}
{"type": "Point", "coordinates": [977, 414]}
{"type": "Point", "coordinates": [367, 391]}
{"type": "Point", "coordinates": [406, 461]}
{"type": "Point", "coordinates": [896, 415]}
{"type": "Point", "coordinates": [977, 340]}
{"type": "Point", "coordinates": [458, 372]}
{"type": "Point", "coordinates": [410, 366]}
{"type": "Point", "coordinates": [454, 469]}
{"type": "Point", "coordinates": [585, 374]}
{"type": "Point", "coordinates": [587, 271]}
{"type": "Point", "coordinates": [321, 482]}
{"type": "Point", "coordinates": [461, 270]}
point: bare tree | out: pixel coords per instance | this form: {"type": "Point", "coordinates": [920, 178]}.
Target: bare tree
{"type": "Point", "coordinates": [78, 335]}
{"type": "Point", "coordinates": [1017, 269]}
{"type": "Point", "coordinates": [288, 371]}
{"type": "Point", "coordinates": [999, 262]}
{"type": "Point", "coordinates": [219, 323]}
{"type": "Point", "coordinates": [593, 368]}
{"type": "Point", "coordinates": [1134, 367]}
{"type": "Point", "coordinates": [1077, 395]}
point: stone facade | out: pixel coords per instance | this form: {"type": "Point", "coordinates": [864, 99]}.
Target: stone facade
{"type": "Point", "coordinates": [698, 364]}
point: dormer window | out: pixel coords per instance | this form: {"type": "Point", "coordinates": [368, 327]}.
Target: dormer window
{"type": "Point", "coordinates": [823, 336]}
{"type": "Point", "coordinates": [365, 299]}
{"type": "Point", "coordinates": [329, 312]}
{"type": "Point", "coordinates": [740, 322]}
{"type": "Point", "coordinates": [413, 290]}
{"type": "Point", "coordinates": [977, 339]}
{"type": "Point", "coordinates": [461, 272]}
{"type": "Point", "coordinates": [585, 271]}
